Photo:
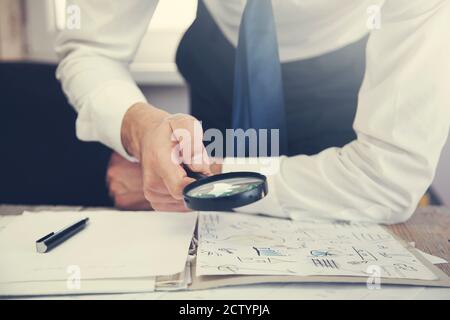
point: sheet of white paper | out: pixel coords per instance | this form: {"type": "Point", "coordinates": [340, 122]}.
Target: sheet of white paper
{"type": "Point", "coordinates": [113, 245]}
{"type": "Point", "coordinates": [294, 291]}
{"type": "Point", "coordinates": [5, 220]}
{"type": "Point", "coordinates": [96, 286]}
{"type": "Point", "coordinates": [432, 259]}
{"type": "Point", "coordinates": [244, 244]}
{"type": "Point", "coordinates": [283, 291]}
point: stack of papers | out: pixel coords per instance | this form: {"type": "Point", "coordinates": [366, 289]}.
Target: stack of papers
{"type": "Point", "coordinates": [249, 245]}
{"type": "Point", "coordinates": [142, 252]}
{"type": "Point", "coordinates": [116, 252]}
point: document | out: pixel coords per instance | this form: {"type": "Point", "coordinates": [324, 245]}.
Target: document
{"type": "Point", "coordinates": [113, 245]}
{"type": "Point", "coordinates": [231, 244]}
{"type": "Point", "coordinates": [432, 259]}
{"type": "Point", "coordinates": [85, 286]}
{"type": "Point", "coordinates": [429, 257]}
{"type": "Point", "coordinates": [5, 220]}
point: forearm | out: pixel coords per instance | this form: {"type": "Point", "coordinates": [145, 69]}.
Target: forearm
{"type": "Point", "coordinates": [360, 182]}
{"type": "Point", "coordinates": [402, 123]}
{"type": "Point", "coordinates": [94, 66]}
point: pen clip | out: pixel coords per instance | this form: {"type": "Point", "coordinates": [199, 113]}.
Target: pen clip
{"type": "Point", "coordinates": [45, 237]}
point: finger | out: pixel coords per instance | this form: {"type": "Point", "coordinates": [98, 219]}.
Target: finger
{"type": "Point", "coordinates": [168, 183]}
{"type": "Point", "coordinates": [133, 181]}
{"type": "Point", "coordinates": [115, 158]}
{"type": "Point", "coordinates": [188, 132]}
{"type": "Point", "coordinates": [131, 201]}
{"type": "Point", "coordinates": [202, 165]}
{"type": "Point", "coordinates": [129, 173]}
{"type": "Point", "coordinates": [178, 207]}
{"type": "Point", "coordinates": [161, 172]}
{"type": "Point", "coordinates": [173, 176]}
{"type": "Point", "coordinates": [152, 182]}
{"type": "Point", "coordinates": [142, 206]}
{"type": "Point", "coordinates": [154, 197]}
{"type": "Point", "coordinates": [176, 188]}
{"type": "Point", "coordinates": [116, 188]}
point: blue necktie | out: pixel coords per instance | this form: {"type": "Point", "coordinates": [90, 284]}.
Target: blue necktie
{"type": "Point", "coordinates": [258, 101]}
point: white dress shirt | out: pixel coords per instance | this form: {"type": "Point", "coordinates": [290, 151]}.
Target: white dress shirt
{"type": "Point", "coordinates": [403, 111]}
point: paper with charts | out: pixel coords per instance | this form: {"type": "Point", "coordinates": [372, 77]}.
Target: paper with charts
{"type": "Point", "coordinates": [231, 243]}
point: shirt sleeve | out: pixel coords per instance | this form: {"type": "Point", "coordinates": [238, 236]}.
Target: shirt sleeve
{"type": "Point", "coordinates": [94, 65]}
{"type": "Point", "coordinates": [402, 123]}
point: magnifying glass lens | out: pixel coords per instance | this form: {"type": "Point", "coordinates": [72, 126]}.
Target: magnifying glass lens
{"type": "Point", "coordinates": [223, 192]}
{"type": "Point", "coordinates": [225, 187]}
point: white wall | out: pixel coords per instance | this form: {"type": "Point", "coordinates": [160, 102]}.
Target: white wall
{"type": "Point", "coordinates": [173, 99]}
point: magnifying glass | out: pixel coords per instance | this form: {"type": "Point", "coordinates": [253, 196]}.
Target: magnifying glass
{"type": "Point", "coordinates": [223, 192]}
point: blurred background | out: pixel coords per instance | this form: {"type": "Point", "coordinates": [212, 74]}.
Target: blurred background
{"type": "Point", "coordinates": [28, 29]}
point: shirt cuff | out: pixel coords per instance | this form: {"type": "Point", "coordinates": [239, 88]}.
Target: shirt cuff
{"type": "Point", "coordinates": [270, 167]}
{"type": "Point", "coordinates": [101, 119]}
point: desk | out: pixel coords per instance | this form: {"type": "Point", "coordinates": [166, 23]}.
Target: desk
{"type": "Point", "coordinates": [429, 228]}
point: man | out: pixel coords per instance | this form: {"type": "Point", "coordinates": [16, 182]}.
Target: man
{"type": "Point", "coordinates": [304, 64]}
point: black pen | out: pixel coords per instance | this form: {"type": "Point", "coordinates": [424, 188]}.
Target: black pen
{"type": "Point", "coordinates": [53, 239]}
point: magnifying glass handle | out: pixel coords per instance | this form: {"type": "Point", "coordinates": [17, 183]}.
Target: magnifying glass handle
{"type": "Point", "coordinates": [192, 174]}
